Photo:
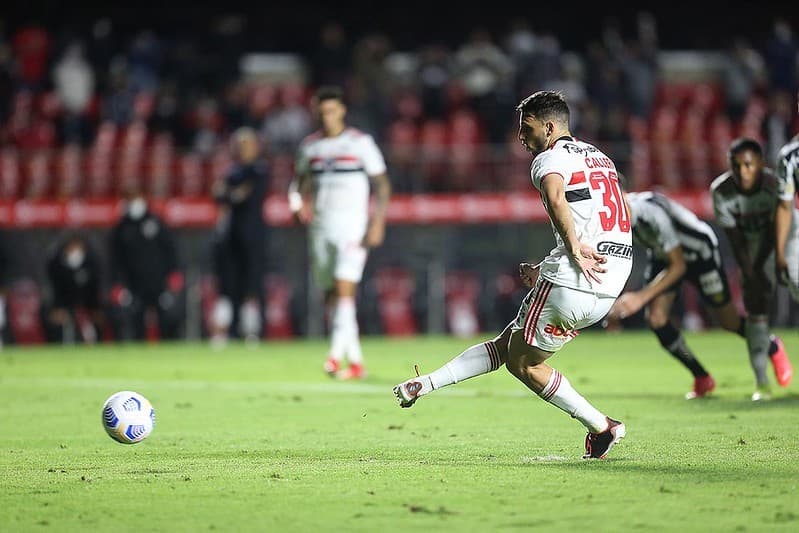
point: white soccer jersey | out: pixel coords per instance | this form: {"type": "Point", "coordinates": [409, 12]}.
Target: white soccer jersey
{"type": "Point", "coordinates": [340, 168]}
{"type": "Point", "coordinates": [660, 224]}
{"type": "Point", "coordinates": [600, 216]}
{"type": "Point", "coordinates": [788, 170]}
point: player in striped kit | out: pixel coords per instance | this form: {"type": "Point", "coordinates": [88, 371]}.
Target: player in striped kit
{"type": "Point", "coordinates": [681, 247]}
{"type": "Point", "coordinates": [572, 288]}
{"type": "Point", "coordinates": [334, 168]}
{"type": "Point", "coordinates": [786, 256]}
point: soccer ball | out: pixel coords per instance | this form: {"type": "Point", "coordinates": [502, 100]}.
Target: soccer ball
{"type": "Point", "coordinates": [128, 417]}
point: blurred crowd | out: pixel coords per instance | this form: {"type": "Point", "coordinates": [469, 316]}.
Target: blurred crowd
{"type": "Point", "coordinates": [86, 112]}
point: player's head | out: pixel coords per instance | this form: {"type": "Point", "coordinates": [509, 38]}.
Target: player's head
{"type": "Point", "coordinates": [244, 145]}
{"type": "Point", "coordinates": [328, 104]}
{"type": "Point", "coordinates": [543, 117]}
{"type": "Point", "coordinates": [746, 162]}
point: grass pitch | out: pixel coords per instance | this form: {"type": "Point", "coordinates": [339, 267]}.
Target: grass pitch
{"type": "Point", "coordinates": [261, 440]}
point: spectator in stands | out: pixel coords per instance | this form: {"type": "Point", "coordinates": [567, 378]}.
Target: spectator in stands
{"type": "Point", "coordinates": [434, 76]}
{"type": "Point", "coordinates": [118, 105]}
{"type": "Point", "coordinates": [486, 73]}
{"type": "Point", "coordinates": [145, 272]}
{"type": "Point", "coordinates": [74, 311]}
{"type": "Point", "coordinates": [743, 74]}
{"type": "Point", "coordinates": [239, 242]}
{"type": "Point", "coordinates": [777, 126]}
{"type": "Point", "coordinates": [331, 63]}
{"type": "Point", "coordinates": [32, 50]}
{"type": "Point", "coordinates": [781, 55]}
{"type": "Point", "coordinates": [289, 124]}
{"type": "Point", "coordinates": [144, 61]}
{"type": "Point", "coordinates": [74, 84]}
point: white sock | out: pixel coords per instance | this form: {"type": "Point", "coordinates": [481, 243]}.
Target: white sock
{"type": "Point", "coordinates": [249, 320]}
{"type": "Point", "coordinates": [341, 336]}
{"type": "Point", "coordinates": [757, 340]}
{"type": "Point", "coordinates": [560, 393]}
{"type": "Point", "coordinates": [354, 353]}
{"type": "Point", "coordinates": [478, 360]}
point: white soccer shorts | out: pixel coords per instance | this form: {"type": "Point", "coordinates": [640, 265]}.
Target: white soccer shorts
{"type": "Point", "coordinates": [336, 258]}
{"type": "Point", "coordinates": [551, 315]}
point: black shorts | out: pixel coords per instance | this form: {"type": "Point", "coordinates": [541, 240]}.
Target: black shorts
{"type": "Point", "coordinates": [708, 276]}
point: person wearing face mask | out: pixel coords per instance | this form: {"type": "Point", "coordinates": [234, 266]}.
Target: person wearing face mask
{"type": "Point", "coordinates": [74, 313]}
{"type": "Point", "coordinates": [145, 273]}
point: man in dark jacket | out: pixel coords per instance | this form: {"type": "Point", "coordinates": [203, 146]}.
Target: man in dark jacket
{"type": "Point", "coordinates": [239, 242]}
{"type": "Point", "coordinates": [74, 311]}
{"type": "Point", "coordinates": [145, 273]}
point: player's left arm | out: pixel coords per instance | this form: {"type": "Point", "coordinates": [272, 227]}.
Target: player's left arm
{"type": "Point", "coordinates": [557, 206]}
{"type": "Point", "coordinates": [375, 167]}
{"type": "Point", "coordinates": [782, 225]}
{"type": "Point", "coordinates": [376, 231]}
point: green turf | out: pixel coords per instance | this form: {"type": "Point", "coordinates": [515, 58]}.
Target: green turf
{"type": "Point", "coordinates": [259, 439]}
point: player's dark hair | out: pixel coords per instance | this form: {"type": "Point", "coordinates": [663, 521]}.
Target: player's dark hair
{"type": "Point", "coordinates": [545, 105]}
{"type": "Point", "coordinates": [744, 144]}
{"type": "Point", "coordinates": [329, 92]}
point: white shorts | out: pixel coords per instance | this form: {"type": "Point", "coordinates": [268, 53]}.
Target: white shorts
{"type": "Point", "coordinates": [336, 258]}
{"type": "Point", "coordinates": [551, 315]}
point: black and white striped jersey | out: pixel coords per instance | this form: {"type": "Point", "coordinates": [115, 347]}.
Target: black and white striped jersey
{"type": "Point", "coordinates": [788, 170]}
{"type": "Point", "coordinates": [660, 224]}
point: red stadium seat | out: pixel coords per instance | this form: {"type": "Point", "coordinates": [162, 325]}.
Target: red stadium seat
{"type": "Point", "coordinates": [395, 288]}
{"type": "Point", "coordinates": [39, 175]}
{"type": "Point", "coordinates": [99, 182]}
{"type": "Point", "coordinates": [10, 173]}
{"type": "Point", "coordinates": [68, 172]}
{"type": "Point", "coordinates": [190, 178]}
{"type": "Point", "coordinates": [462, 293]}
{"type": "Point", "coordinates": [24, 307]}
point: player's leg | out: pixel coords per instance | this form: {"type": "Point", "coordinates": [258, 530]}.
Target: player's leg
{"type": "Point", "coordinates": [554, 319]}
{"type": "Point", "coordinates": [222, 313]}
{"type": "Point", "coordinates": [250, 316]}
{"type": "Point", "coordinates": [761, 345]}
{"type": "Point", "coordinates": [658, 317]}
{"type": "Point", "coordinates": [474, 361]}
{"type": "Point", "coordinates": [322, 252]}
{"type": "Point", "coordinates": [349, 265]}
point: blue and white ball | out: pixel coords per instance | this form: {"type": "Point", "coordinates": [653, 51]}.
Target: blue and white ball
{"type": "Point", "coordinates": [128, 417]}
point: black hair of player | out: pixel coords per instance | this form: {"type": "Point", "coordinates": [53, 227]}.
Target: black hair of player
{"type": "Point", "coordinates": [545, 105]}
{"type": "Point", "coordinates": [329, 92]}
{"type": "Point", "coordinates": [744, 144]}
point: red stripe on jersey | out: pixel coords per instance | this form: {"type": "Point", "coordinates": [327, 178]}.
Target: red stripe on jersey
{"type": "Point", "coordinates": [577, 177]}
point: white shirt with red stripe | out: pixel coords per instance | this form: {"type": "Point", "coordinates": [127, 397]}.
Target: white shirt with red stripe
{"type": "Point", "coordinates": [600, 215]}
{"type": "Point", "coordinates": [340, 168]}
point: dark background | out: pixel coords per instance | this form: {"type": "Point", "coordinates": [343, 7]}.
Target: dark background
{"type": "Point", "coordinates": [294, 26]}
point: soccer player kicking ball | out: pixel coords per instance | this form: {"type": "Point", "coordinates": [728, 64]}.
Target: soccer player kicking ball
{"type": "Point", "coordinates": [572, 288]}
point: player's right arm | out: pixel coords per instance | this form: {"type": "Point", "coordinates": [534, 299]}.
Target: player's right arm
{"type": "Point", "coordinates": [631, 302]}
{"type": "Point", "coordinates": [300, 186]}
{"type": "Point", "coordinates": [787, 173]}
{"type": "Point", "coordinates": [782, 224]}
{"type": "Point", "coordinates": [583, 255]}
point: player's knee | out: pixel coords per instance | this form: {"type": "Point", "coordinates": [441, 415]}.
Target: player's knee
{"type": "Point", "coordinates": [656, 319]}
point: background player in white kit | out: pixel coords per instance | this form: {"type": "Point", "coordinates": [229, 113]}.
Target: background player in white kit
{"type": "Point", "coordinates": [334, 167]}
{"type": "Point", "coordinates": [572, 288]}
